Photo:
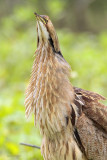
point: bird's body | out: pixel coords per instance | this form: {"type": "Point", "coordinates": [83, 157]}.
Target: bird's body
{"type": "Point", "coordinates": [72, 121]}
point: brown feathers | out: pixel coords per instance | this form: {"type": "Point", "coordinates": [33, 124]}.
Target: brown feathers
{"type": "Point", "coordinates": [72, 121]}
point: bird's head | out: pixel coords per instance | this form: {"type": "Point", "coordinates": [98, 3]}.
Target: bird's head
{"type": "Point", "coordinates": [46, 33]}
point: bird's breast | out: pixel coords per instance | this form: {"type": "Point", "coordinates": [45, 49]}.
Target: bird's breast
{"type": "Point", "coordinates": [63, 147]}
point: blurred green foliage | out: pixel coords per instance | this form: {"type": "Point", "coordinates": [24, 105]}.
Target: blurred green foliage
{"type": "Point", "coordinates": [86, 53]}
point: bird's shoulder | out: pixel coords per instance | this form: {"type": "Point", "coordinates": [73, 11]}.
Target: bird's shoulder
{"type": "Point", "coordinates": [92, 107]}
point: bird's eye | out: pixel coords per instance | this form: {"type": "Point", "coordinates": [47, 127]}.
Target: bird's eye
{"type": "Point", "coordinates": [46, 19]}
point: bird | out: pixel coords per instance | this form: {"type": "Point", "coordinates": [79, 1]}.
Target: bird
{"type": "Point", "coordinates": [72, 121]}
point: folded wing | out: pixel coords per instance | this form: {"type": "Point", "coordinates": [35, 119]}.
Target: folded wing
{"type": "Point", "coordinates": [91, 125]}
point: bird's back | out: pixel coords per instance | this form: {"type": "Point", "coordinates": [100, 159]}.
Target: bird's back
{"type": "Point", "coordinates": [91, 125]}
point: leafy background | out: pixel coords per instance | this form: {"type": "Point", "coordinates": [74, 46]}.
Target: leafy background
{"type": "Point", "coordinates": [83, 41]}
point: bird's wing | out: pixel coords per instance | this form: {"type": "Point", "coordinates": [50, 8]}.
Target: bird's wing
{"type": "Point", "coordinates": [91, 126]}
{"type": "Point", "coordinates": [92, 108]}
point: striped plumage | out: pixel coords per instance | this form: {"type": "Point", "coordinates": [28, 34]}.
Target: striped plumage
{"type": "Point", "coordinates": [72, 121]}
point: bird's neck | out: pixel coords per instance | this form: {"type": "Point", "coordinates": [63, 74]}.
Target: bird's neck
{"type": "Point", "coordinates": [51, 86]}
{"type": "Point", "coordinates": [50, 91]}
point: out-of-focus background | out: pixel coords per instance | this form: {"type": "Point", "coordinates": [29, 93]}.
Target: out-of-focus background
{"type": "Point", "coordinates": [81, 26]}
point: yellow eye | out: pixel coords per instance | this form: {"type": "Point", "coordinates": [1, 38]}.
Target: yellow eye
{"type": "Point", "coordinates": [46, 20]}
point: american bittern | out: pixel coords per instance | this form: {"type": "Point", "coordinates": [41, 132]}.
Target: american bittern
{"type": "Point", "coordinates": [72, 121]}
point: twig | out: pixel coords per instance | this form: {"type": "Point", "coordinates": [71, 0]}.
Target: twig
{"type": "Point", "coordinates": [30, 145]}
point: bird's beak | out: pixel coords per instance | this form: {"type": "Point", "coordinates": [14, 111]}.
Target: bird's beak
{"type": "Point", "coordinates": [41, 18]}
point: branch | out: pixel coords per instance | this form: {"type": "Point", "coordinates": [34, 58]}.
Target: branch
{"type": "Point", "coordinates": [30, 145]}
